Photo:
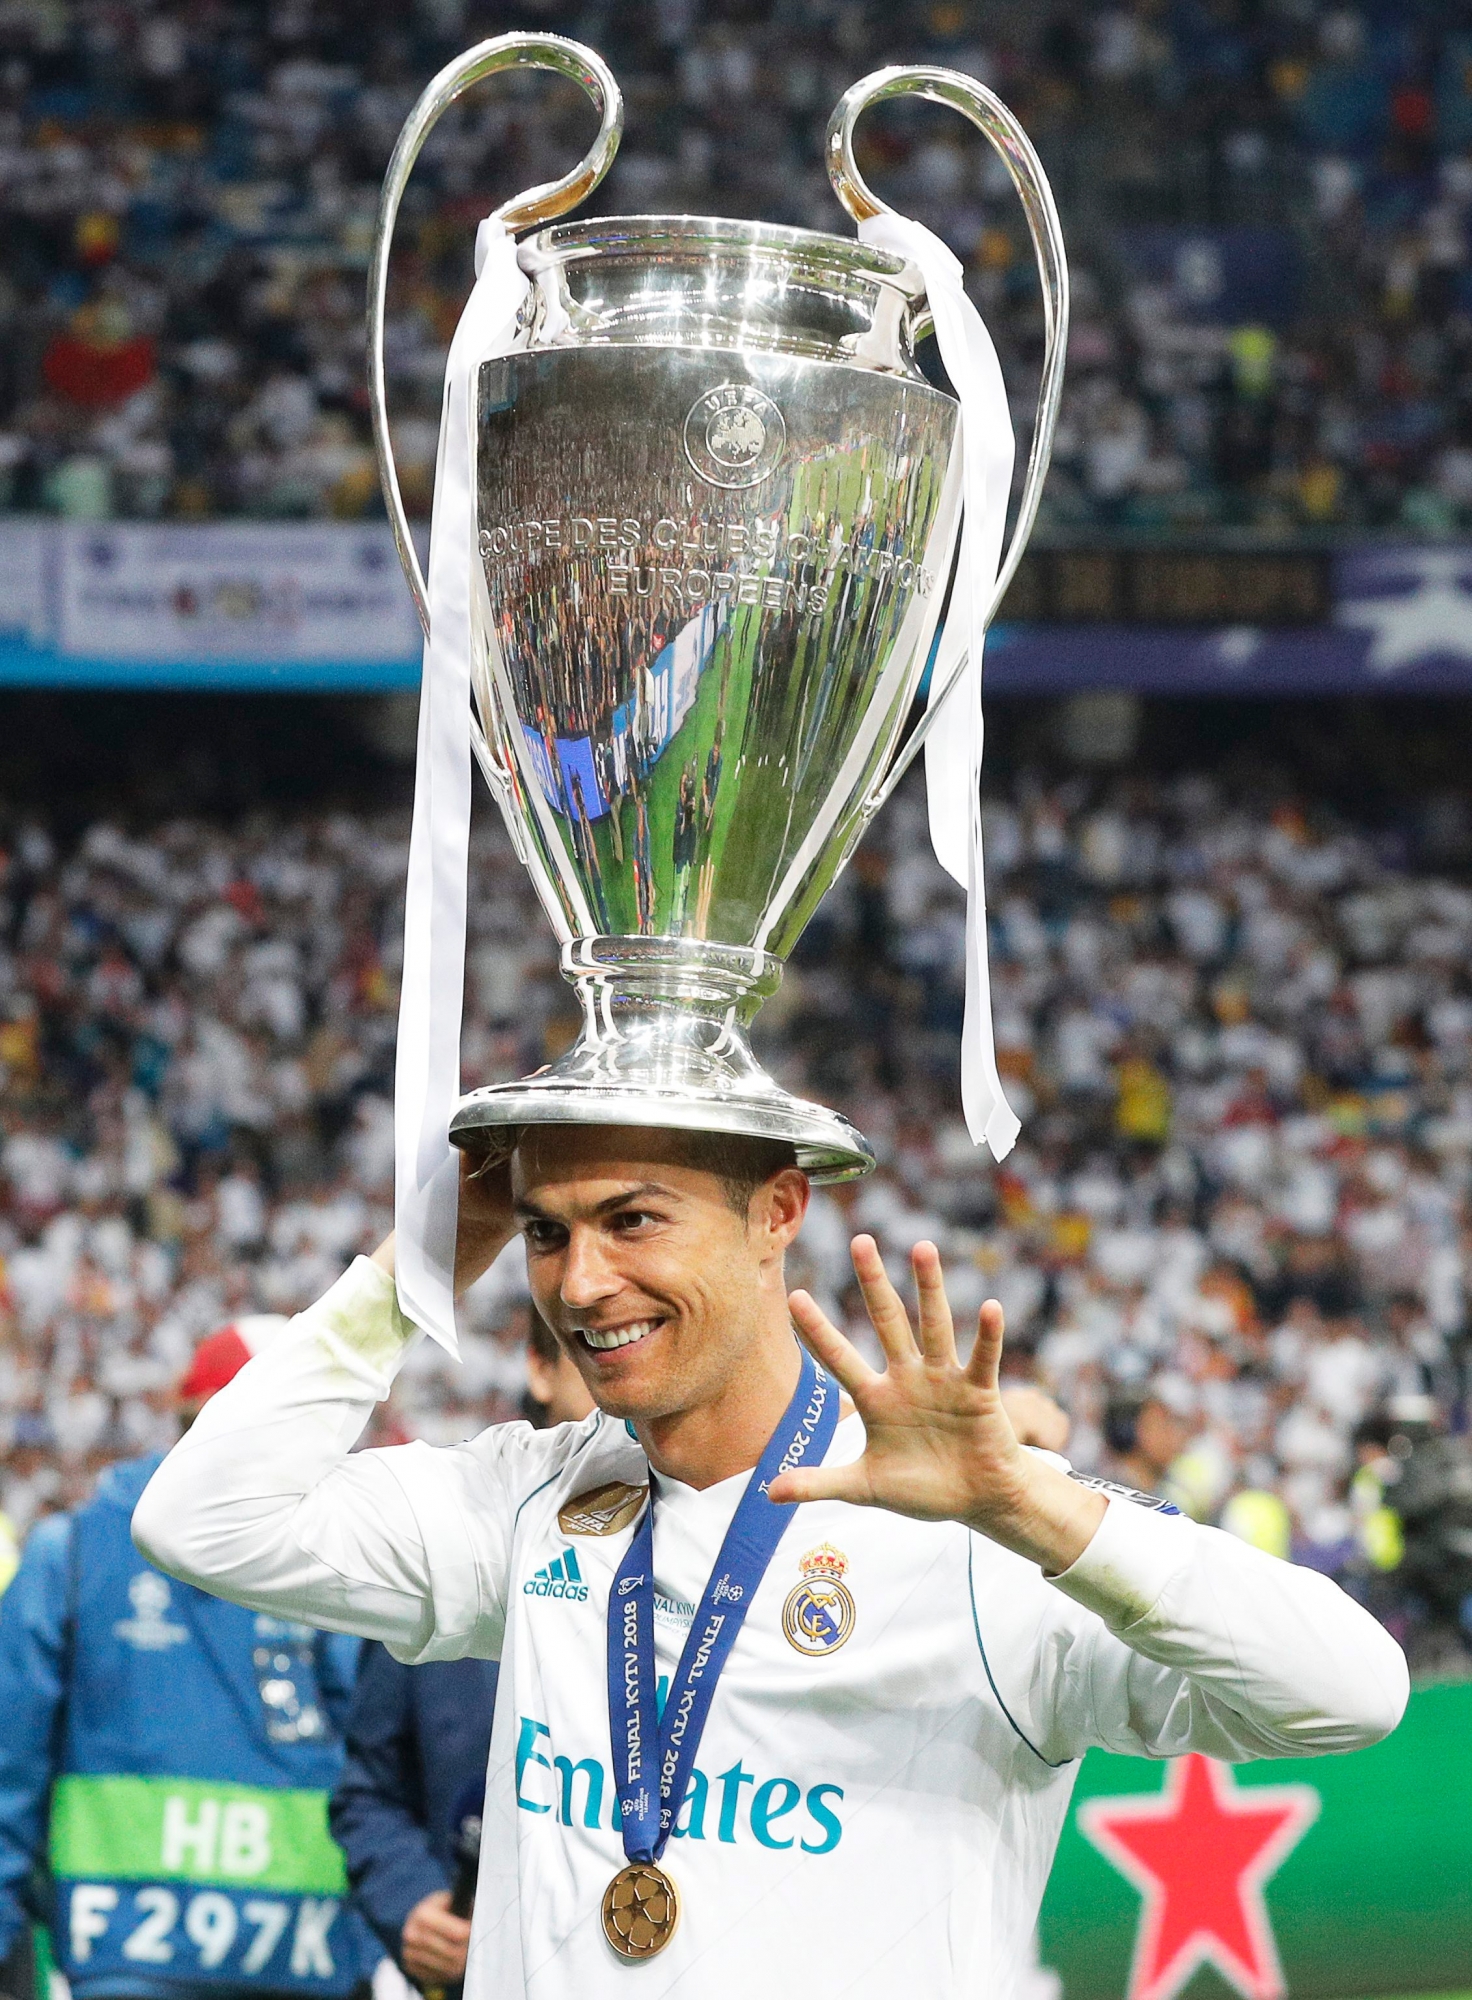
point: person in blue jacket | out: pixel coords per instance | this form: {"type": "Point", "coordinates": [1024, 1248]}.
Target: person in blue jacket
{"type": "Point", "coordinates": [418, 1739]}
{"type": "Point", "coordinates": [166, 1761]}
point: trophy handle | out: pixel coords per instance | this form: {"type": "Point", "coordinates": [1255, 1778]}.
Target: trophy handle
{"type": "Point", "coordinates": [991, 117]}
{"type": "Point", "coordinates": [538, 204]}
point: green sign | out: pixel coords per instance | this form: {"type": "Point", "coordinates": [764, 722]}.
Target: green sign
{"type": "Point", "coordinates": [1325, 1876]}
{"type": "Point", "coordinates": [189, 1830]}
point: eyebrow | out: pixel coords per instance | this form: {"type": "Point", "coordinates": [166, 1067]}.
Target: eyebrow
{"type": "Point", "coordinates": [530, 1211]}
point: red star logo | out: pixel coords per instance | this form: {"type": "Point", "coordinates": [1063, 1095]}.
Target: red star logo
{"type": "Point", "coordinates": [1199, 1853]}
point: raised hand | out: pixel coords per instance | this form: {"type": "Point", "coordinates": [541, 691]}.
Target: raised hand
{"type": "Point", "coordinates": [485, 1223]}
{"type": "Point", "coordinates": [939, 1444]}
{"type": "Point", "coordinates": [487, 1219]}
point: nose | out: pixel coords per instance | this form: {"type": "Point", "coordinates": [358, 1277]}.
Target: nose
{"type": "Point", "coordinates": [587, 1277]}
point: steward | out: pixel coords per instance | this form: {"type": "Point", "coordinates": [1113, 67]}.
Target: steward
{"type": "Point", "coordinates": [166, 1758]}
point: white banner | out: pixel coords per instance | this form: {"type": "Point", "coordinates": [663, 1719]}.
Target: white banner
{"type": "Point", "coordinates": [26, 550]}
{"type": "Point", "coordinates": [238, 591]}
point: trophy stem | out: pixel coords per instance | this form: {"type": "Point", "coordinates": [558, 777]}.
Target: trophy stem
{"type": "Point", "coordinates": [664, 1044]}
{"type": "Point", "coordinates": [620, 979]}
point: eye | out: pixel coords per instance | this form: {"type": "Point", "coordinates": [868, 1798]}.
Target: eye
{"type": "Point", "coordinates": [543, 1235]}
{"type": "Point", "coordinates": [629, 1220]}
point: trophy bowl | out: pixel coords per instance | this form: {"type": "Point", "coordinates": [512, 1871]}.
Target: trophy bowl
{"type": "Point", "coordinates": [716, 509]}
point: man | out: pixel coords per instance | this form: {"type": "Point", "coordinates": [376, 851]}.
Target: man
{"type": "Point", "coordinates": [1146, 1431]}
{"type": "Point", "coordinates": [883, 1759]}
{"type": "Point", "coordinates": [167, 1758]}
{"type": "Point", "coordinates": [416, 1736]}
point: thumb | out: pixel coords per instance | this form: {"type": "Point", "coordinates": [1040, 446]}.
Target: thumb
{"type": "Point", "coordinates": [821, 1482]}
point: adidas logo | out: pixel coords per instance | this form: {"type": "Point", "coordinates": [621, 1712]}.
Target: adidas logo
{"type": "Point", "coordinates": [562, 1578]}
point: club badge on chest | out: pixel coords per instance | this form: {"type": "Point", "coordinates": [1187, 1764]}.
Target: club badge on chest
{"type": "Point", "coordinates": [819, 1614]}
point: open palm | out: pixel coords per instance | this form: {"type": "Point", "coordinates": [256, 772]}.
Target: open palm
{"type": "Point", "coordinates": [939, 1440]}
{"type": "Point", "coordinates": [939, 1443]}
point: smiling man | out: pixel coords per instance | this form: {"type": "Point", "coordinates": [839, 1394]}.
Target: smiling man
{"type": "Point", "coordinates": [746, 1744]}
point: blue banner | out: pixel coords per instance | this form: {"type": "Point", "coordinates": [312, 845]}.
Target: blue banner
{"type": "Point", "coordinates": [1402, 625]}
{"type": "Point", "coordinates": [320, 606]}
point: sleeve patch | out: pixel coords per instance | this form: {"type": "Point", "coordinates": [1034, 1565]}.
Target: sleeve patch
{"type": "Point", "coordinates": [1112, 1489]}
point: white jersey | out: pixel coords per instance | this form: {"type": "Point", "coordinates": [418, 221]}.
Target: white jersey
{"type": "Point", "coordinates": [888, 1759]}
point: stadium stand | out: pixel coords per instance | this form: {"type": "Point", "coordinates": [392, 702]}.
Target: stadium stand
{"type": "Point", "coordinates": [1237, 1023]}
{"type": "Point", "coordinates": [1267, 207]}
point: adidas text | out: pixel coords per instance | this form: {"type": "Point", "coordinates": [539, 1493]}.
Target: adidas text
{"type": "Point", "coordinates": [561, 1578]}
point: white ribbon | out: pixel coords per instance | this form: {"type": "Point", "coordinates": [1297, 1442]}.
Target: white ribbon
{"type": "Point", "coordinates": [427, 1069]}
{"type": "Point", "coordinates": [953, 748]}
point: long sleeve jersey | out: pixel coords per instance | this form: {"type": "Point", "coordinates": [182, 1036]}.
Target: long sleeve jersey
{"type": "Point", "coordinates": [863, 1817]}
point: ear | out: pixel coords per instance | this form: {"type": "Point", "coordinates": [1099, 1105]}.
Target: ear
{"type": "Point", "coordinates": [777, 1210]}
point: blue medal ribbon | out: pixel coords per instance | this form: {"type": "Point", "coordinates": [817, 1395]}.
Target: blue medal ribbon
{"type": "Point", "coordinates": [652, 1757]}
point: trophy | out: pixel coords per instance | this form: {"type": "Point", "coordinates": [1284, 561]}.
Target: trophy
{"type": "Point", "coordinates": [716, 509]}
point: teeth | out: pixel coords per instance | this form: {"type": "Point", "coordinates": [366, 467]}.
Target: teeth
{"type": "Point", "coordinates": [618, 1336]}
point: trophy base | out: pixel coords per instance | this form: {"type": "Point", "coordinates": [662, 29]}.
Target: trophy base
{"type": "Point", "coordinates": [664, 1045]}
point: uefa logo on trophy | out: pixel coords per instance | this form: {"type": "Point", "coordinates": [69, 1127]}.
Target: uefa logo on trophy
{"type": "Point", "coordinates": [712, 515]}
{"type": "Point", "coordinates": [734, 435]}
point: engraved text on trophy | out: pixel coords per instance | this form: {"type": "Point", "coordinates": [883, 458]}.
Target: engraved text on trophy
{"type": "Point", "coordinates": [692, 679]}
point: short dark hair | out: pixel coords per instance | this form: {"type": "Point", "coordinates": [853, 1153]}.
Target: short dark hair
{"type": "Point", "coordinates": [739, 1162]}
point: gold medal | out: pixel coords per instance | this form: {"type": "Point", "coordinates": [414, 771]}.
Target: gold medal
{"type": "Point", "coordinates": [640, 1910]}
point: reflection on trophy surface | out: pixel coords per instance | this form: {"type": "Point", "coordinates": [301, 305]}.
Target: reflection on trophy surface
{"type": "Point", "coordinates": [711, 578]}
{"type": "Point", "coordinates": [716, 511]}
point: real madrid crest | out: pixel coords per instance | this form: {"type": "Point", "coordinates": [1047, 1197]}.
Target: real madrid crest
{"type": "Point", "coordinates": [819, 1613]}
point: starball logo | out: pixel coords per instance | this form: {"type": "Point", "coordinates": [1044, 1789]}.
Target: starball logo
{"type": "Point", "coordinates": [561, 1578]}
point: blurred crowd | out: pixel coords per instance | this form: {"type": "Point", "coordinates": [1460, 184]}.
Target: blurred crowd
{"type": "Point", "coordinates": [1267, 204]}
{"type": "Point", "coordinates": [1235, 1238]}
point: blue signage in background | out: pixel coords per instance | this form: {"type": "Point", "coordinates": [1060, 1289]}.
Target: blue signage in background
{"type": "Point", "coordinates": [1223, 277]}
{"type": "Point", "coordinates": [233, 604]}
{"type": "Point", "coordinates": [1402, 624]}
{"type": "Point", "coordinates": [321, 606]}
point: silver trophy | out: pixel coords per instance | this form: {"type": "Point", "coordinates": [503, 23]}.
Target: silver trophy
{"type": "Point", "coordinates": [717, 506]}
